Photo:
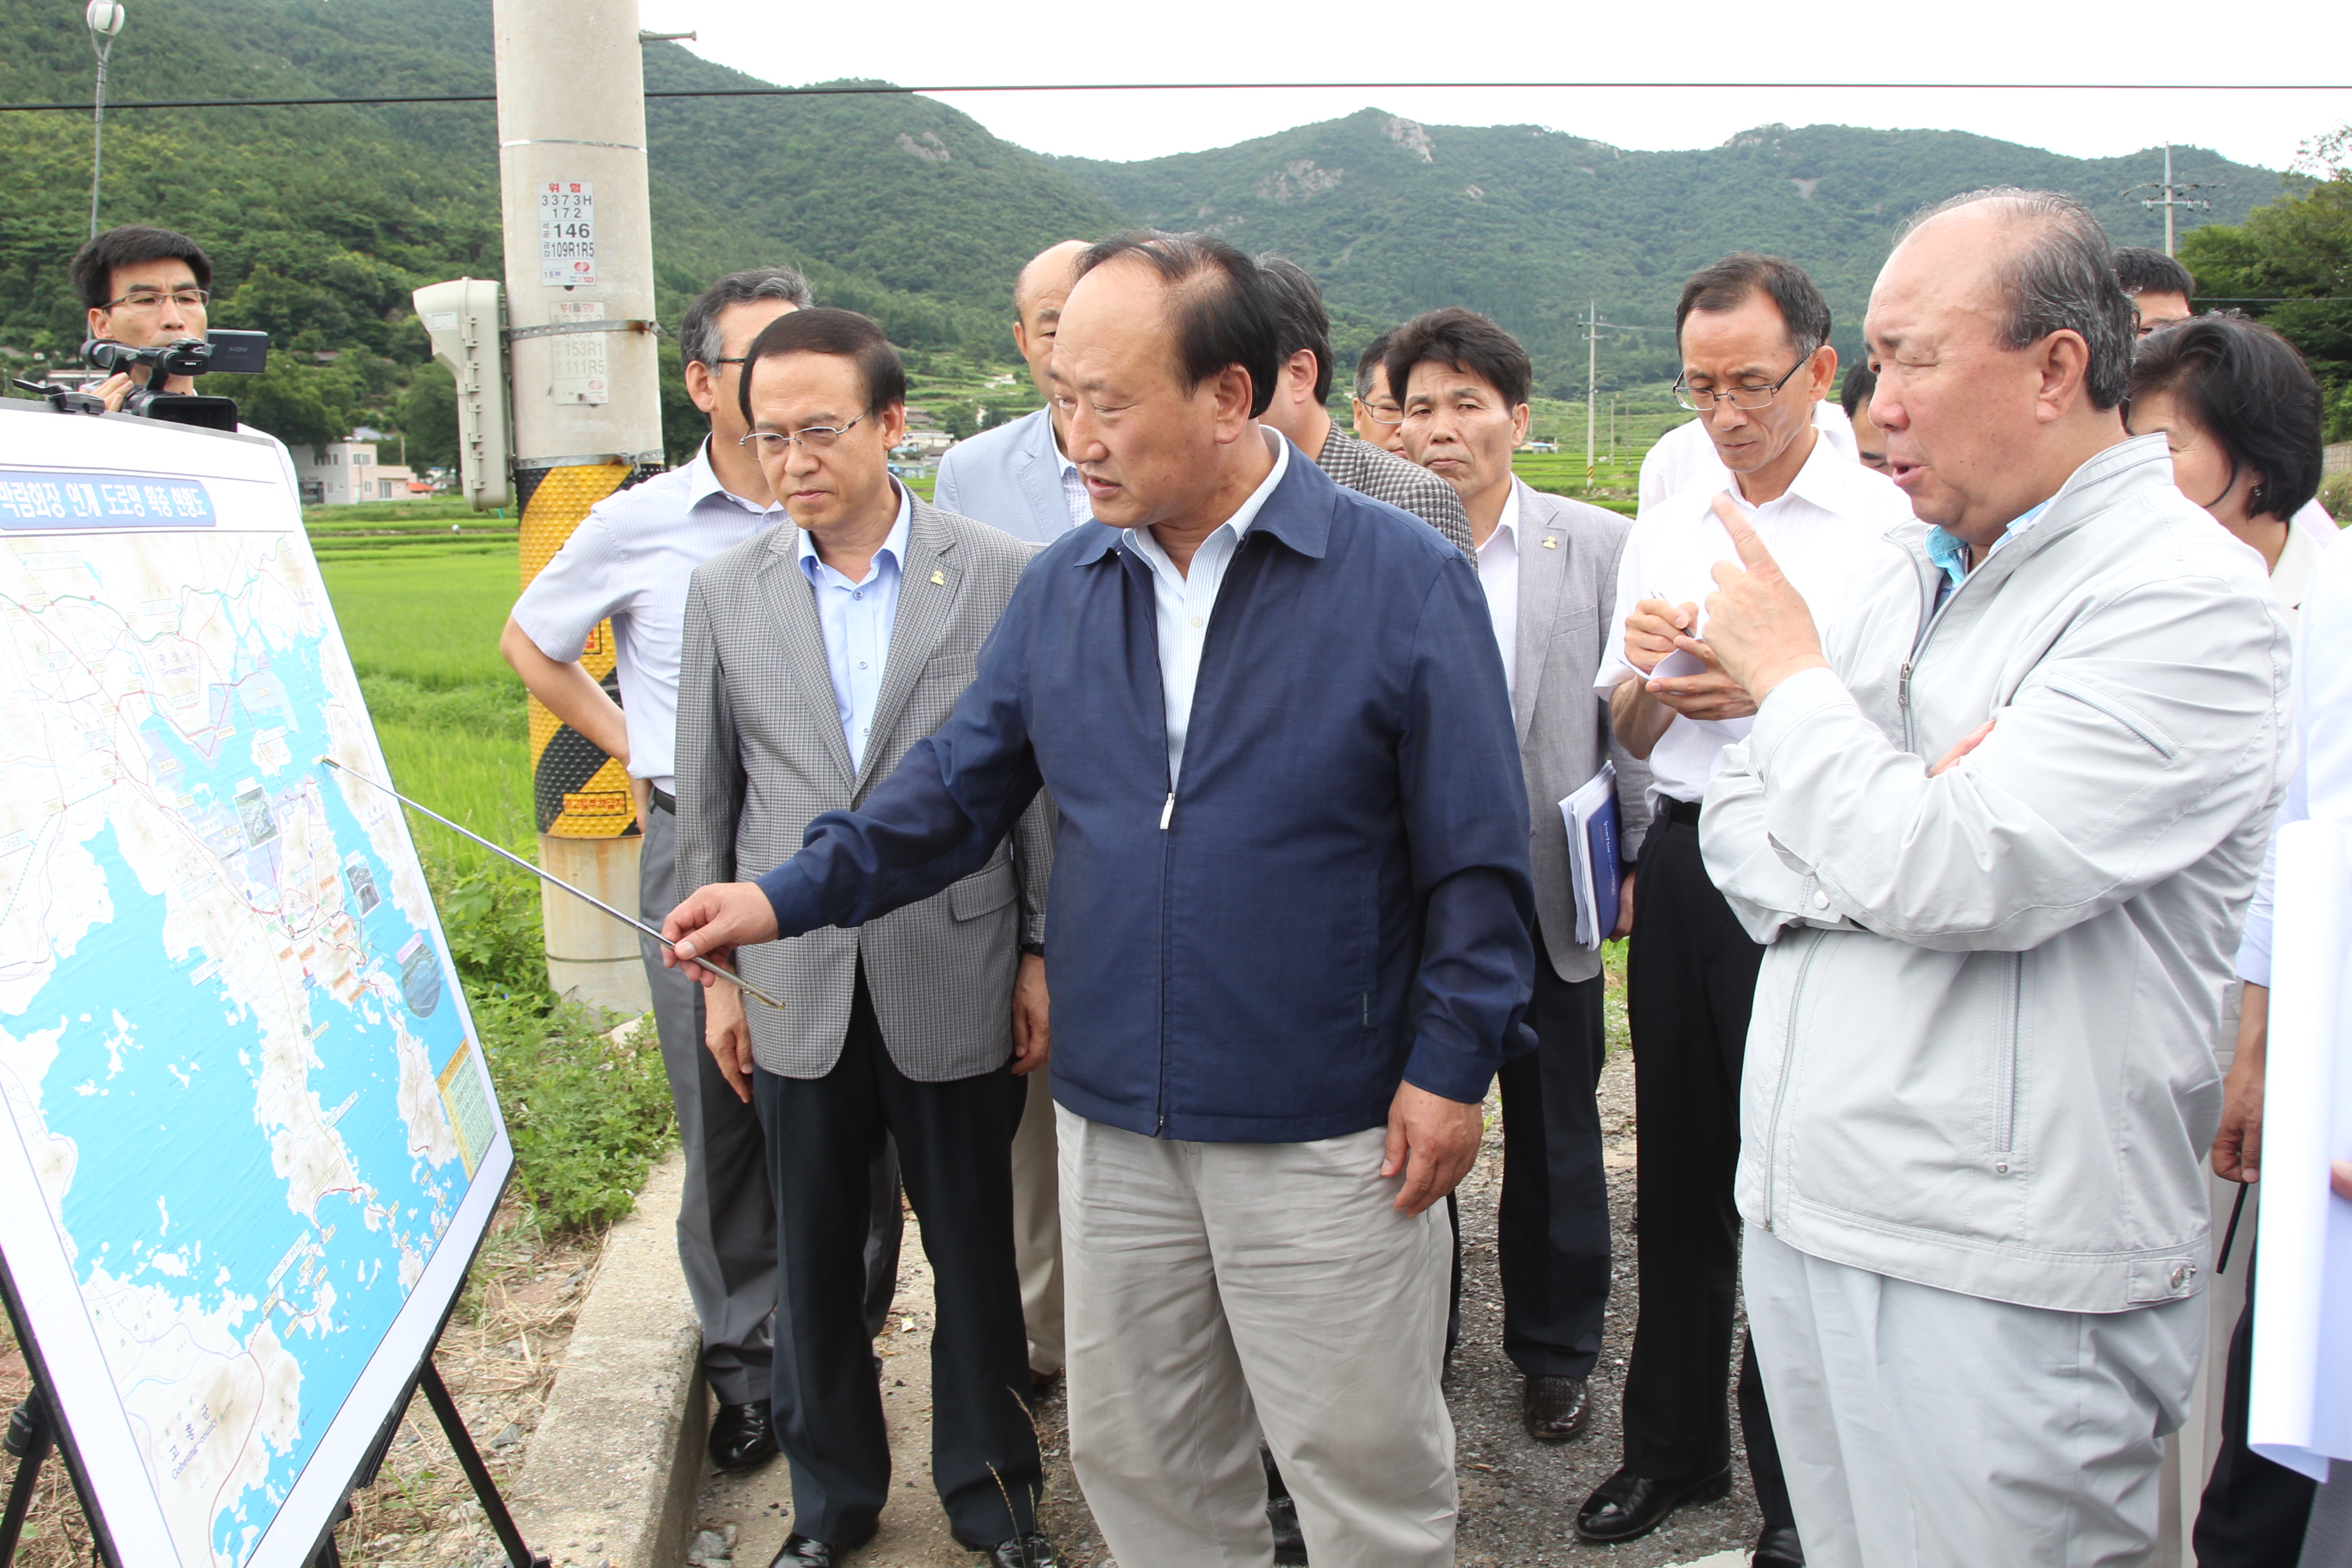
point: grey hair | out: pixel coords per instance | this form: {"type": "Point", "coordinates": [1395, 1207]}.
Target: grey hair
{"type": "Point", "coordinates": [2060, 276]}
{"type": "Point", "coordinates": [697, 335]}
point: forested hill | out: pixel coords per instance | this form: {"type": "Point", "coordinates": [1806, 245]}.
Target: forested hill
{"type": "Point", "coordinates": [322, 219]}
{"type": "Point", "coordinates": [1528, 224]}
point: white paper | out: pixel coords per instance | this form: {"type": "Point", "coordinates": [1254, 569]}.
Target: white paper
{"type": "Point", "coordinates": [1576, 811]}
{"type": "Point", "coordinates": [567, 232]}
{"type": "Point", "coordinates": [2300, 1410]}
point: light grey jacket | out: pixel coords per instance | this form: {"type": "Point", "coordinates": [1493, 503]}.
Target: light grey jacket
{"type": "Point", "coordinates": [1981, 1056]}
{"type": "Point", "coordinates": [760, 755]}
{"type": "Point", "coordinates": [1010, 476]}
{"type": "Point", "coordinates": [1567, 597]}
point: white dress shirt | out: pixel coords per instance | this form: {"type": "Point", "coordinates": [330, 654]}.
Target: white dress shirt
{"type": "Point", "coordinates": [2308, 533]}
{"type": "Point", "coordinates": [1684, 455]}
{"type": "Point", "coordinates": [856, 619]}
{"type": "Point", "coordinates": [1498, 573]}
{"type": "Point", "coordinates": [630, 560]}
{"type": "Point", "coordinates": [1184, 599]}
{"type": "Point", "coordinates": [1073, 488]}
{"type": "Point", "coordinates": [1822, 532]}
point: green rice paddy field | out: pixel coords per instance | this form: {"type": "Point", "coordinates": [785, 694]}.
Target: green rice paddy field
{"type": "Point", "coordinates": [421, 607]}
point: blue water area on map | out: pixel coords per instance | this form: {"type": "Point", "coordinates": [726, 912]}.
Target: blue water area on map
{"type": "Point", "coordinates": [173, 1127]}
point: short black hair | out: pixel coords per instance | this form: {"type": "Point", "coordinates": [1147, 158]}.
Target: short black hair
{"type": "Point", "coordinates": [697, 334]}
{"type": "Point", "coordinates": [2144, 272]}
{"type": "Point", "coordinates": [93, 265]}
{"type": "Point", "coordinates": [1369, 360]}
{"type": "Point", "coordinates": [1727, 285]}
{"type": "Point", "coordinates": [1861, 381]}
{"type": "Point", "coordinates": [1298, 311]}
{"type": "Point", "coordinates": [1464, 340]}
{"type": "Point", "coordinates": [827, 329]}
{"type": "Point", "coordinates": [2246, 387]}
{"type": "Point", "coordinates": [1224, 305]}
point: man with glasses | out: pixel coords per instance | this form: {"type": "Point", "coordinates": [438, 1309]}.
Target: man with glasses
{"type": "Point", "coordinates": [1380, 420]}
{"type": "Point", "coordinates": [142, 285]}
{"type": "Point", "coordinates": [1753, 333]}
{"type": "Point", "coordinates": [825, 650]}
{"type": "Point", "coordinates": [628, 561]}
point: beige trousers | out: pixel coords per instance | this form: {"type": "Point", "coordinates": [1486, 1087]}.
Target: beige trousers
{"type": "Point", "coordinates": [1217, 1290]}
{"type": "Point", "coordinates": [1037, 1225]}
{"type": "Point", "coordinates": [1922, 1428]}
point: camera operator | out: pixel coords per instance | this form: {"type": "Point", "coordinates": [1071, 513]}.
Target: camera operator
{"type": "Point", "coordinates": [142, 285]}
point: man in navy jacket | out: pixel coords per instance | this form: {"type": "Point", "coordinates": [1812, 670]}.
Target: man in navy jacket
{"type": "Point", "coordinates": [1287, 939]}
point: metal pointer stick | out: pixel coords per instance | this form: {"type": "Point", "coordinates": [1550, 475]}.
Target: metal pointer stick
{"type": "Point", "coordinates": [711, 964]}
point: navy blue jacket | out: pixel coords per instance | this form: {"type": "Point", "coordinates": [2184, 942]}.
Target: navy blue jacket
{"type": "Point", "coordinates": [1339, 895]}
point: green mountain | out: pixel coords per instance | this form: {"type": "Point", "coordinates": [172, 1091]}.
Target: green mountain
{"type": "Point", "coordinates": [321, 220]}
{"type": "Point", "coordinates": [1528, 224]}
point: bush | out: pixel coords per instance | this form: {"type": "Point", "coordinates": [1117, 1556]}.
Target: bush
{"type": "Point", "coordinates": [2336, 495]}
{"type": "Point", "coordinates": [587, 1116]}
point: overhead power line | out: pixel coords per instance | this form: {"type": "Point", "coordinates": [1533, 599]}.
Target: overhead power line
{"type": "Point", "coordinates": [833, 91]}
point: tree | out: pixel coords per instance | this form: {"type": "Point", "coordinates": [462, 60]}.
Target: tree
{"type": "Point", "coordinates": [428, 417]}
{"type": "Point", "coordinates": [2290, 265]}
{"type": "Point", "coordinates": [300, 403]}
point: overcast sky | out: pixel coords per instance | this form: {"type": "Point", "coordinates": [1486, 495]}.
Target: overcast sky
{"type": "Point", "coordinates": [925, 42]}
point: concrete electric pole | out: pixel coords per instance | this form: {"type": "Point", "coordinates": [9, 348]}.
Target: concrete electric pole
{"type": "Point", "coordinates": [104, 18]}
{"type": "Point", "coordinates": [587, 408]}
{"type": "Point", "coordinates": [2170, 199]}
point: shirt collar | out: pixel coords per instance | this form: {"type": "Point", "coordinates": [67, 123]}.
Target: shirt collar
{"type": "Point", "coordinates": [1508, 522]}
{"type": "Point", "coordinates": [702, 483]}
{"type": "Point", "coordinates": [894, 546]}
{"type": "Point", "coordinates": [1950, 553]}
{"type": "Point", "coordinates": [1244, 515]}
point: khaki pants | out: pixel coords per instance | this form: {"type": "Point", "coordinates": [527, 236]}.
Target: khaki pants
{"type": "Point", "coordinates": [1922, 1428]}
{"type": "Point", "coordinates": [1037, 1225]}
{"type": "Point", "coordinates": [1216, 1290]}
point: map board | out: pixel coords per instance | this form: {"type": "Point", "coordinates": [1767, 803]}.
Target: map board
{"type": "Point", "coordinates": [250, 1144]}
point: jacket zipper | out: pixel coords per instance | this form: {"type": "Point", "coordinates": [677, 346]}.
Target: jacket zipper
{"type": "Point", "coordinates": [1780, 1087]}
{"type": "Point", "coordinates": [2004, 1105]}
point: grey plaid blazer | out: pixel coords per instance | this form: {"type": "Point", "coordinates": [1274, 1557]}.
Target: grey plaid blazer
{"type": "Point", "coordinates": [1384, 476]}
{"type": "Point", "coordinates": [760, 755]}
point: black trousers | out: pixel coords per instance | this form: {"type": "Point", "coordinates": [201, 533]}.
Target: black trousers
{"type": "Point", "coordinates": [1551, 1233]}
{"type": "Point", "coordinates": [955, 1143]}
{"type": "Point", "coordinates": [2254, 1510]}
{"type": "Point", "coordinates": [1690, 986]}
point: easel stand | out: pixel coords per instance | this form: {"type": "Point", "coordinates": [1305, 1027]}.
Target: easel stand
{"type": "Point", "coordinates": [31, 1435]}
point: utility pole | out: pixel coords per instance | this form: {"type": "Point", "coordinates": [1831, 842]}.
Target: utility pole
{"type": "Point", "coordinates": [104, 18]}
{"type": "Point", "coordinates": [2170, 197]}
{"type": "Point", "coordinates": [1591, 379]}
{"type": "Point", "coordinates": [583, 369]}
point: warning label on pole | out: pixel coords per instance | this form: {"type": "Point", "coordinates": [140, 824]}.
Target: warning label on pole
{"type": "Point", "coordinates": [567, 232]}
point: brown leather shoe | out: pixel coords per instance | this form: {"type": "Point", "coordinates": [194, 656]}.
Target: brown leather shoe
{"type": "Point", "coordinates": [1554, 1409]}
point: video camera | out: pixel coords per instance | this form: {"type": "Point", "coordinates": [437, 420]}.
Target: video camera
{"type": "Point", "coordinates": [226, 351]}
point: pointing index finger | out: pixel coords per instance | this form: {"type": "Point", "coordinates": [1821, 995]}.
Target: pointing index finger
{"type": "Point", "coordinates": [1744, 539]}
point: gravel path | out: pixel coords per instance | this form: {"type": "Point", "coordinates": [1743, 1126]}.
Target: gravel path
{"type": "Point", "coordinates": [1518, 1496]}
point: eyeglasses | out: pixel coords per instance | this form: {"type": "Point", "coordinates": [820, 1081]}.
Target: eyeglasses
{"type": "Point", "coordinates": [1383, 413]}
{"type": "Point", "coordinates": [1749, 397]}
{"type": "Point", "coordinates": [815, 438]}
{"type": "Point", "coordinates": [150, 298]}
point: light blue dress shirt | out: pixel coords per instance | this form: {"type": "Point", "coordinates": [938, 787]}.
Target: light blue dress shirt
{"type": "Point", "coordinates": [1950, 552]}
{"type": "Point", "coordinates": [1184, 601]}
{"type": "Point", "coordinates": [856, 619]}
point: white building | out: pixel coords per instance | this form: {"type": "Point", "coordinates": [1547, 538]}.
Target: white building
{"type": "Point", "coordinates": [345, 471]}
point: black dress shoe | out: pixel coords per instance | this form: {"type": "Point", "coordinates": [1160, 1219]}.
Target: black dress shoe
{"type": "Point", "coordinates": [1627, 1504]}
{"type": "Point", "coordinates": [804, 1551]}
{"type": "Point", "coordinates": [1554, 1409]}
{"type": "Point", "coordinates": [1030, 1550]}
{"type": "Point", "coordinates": [740, 1438]}
{"type": "Point", "coordinates": [1778, 1547]}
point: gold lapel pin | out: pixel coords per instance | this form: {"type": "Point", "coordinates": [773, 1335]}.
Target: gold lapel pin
{"type": "Point", "coordinates": [1550, 543]}
{"type": "Point", "coordinates": [939, 579]}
